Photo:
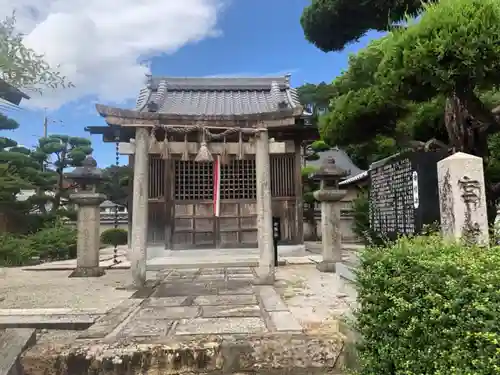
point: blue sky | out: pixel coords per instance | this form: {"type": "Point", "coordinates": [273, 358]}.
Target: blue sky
{"type": "Point", "coordinates": [258, 37]}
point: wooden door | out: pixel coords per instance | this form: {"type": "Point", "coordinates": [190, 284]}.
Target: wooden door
{"type": "Point", "coordinates": [194, 224]}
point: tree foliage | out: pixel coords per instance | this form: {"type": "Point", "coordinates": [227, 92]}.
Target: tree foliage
{"type": "Point", "coordinates": [21, 66]}
{"type": "Point", "coordinates": [434, 80]}
{"type": "Point", "coordinates": [58, 152]}
{"type": "Point", "coordinates": [116, 186]}
{"type": "Point", "coordinates": [332, 24]}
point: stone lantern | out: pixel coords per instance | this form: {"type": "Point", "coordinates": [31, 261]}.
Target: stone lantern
{"type": "Point", "coordinates": [329, 195]}
{"type": "Point", "coordinates": [87, 177]}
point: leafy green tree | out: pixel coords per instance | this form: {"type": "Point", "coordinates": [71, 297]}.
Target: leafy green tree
{"type": "Point", "coordinates": [426, 85]}
{"type": "Point", "coordinates": [116, 186]}
{"type": "Point", "coordinates": [58, 153]}
{"type": "Point", "coordinates": [332, 24]}
{"type": "Point", "coordinates": [21, 66]}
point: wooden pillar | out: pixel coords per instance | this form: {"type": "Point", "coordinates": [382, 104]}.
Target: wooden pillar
{"type": "Point", "coordinates": [299, 230]}
{"type": "Point", "coordinates": [169, 203]}
{"type": "Point", "coordinates": [138, 249]}
{"type": "Point", "coordinates": [265, 270]}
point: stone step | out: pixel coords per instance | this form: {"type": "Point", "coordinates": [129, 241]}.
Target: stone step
{"type": "Point", "coordinates": [263, 354]}
{"type": "Point", "coordinates": [346, 271]}
{"type": "Point", "coordinates": [48, 318]}
{"type": "Point", "coordinates": [12, 344]}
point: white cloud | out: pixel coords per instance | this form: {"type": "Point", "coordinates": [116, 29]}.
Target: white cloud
{"type": "Point", "coordinates": [99, 43]}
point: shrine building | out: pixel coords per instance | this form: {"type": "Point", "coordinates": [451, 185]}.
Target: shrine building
{"type": "Point", "coordinates": [209, 156]}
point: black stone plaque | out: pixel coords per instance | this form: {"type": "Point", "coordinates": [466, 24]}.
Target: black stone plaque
{"type": "Point", "coordinates": [404, 193]}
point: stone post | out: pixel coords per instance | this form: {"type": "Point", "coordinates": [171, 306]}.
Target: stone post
{"type": "Point", "coordinates": [138, 248]}
{"type": "Point", "coordinates": [89, 218]}
{"type": "Point", "coordinates": [265, 271]}
{"type": "Point", "coordinates": [88, 240]}
{"type": "Point", "coordinates": [329, 196]}
{"type": "Point", "coordinates": [462, 198]}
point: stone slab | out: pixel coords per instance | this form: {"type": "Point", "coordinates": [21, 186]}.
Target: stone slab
{"type": "Point", "coordinates": [345, 271]}
{"type": "Point", "coordinates": [240, 270]}
{"type": "Point", "coordinates": [226, 300]}
{"type": "Point", "coordinates": [270, 300]}
{"type": "Point", "coordinates": [172, 312]}
{"type": "Point", "coordinates": [241, 290]}
{"type": "Point", "coordinates": [107, 323]}
{"type": "Point", "coordinates": [298, 260]}
{"type": "Point", "coordinates": [217, 326]}
{"type": "Point", "coordinates": [284, 321]}
{"type": "Point", "coordinates": [145, 328]}
{"type": "Point", "coordinates": [12, 343]}
{"type": "Point", "coordinates": [241, 276]}
{"type": "Point", "coordinates": [247, 311]}
{"type": "Point", "coordinates": [50, 311]}
{"type": "Point", "coordinates": [164, 302]}
{"type": "Point", "coordinates": [212, 271]}
{"type": "Point", "coordinates": [56, 321]}
{"type": "Point", "coordinates": [210, 277]}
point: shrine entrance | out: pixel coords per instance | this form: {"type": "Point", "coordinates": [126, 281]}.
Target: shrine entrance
{"type": "Point", "coordinates": [181, 202]}
{"type": "Point", "coordinates": [195, 223]}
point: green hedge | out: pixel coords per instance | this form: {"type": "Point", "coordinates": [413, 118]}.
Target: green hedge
{"type": "Point", "coordinates": [114, 237]}
{"type": "Point", "coordinates": [429, 307]}
{"type": "Point", "coordinates": [56, 243]}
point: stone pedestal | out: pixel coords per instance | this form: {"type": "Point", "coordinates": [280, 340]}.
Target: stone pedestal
{"type": "Point", "coordinates": [331, 237]}
{"type": "Point", "coordinates": [265, 271]}
{"type": "Point", "coordinates": [88, 242]}
{"type": "Point", "coordinates": [138, 247]}
{"type": "Point", "coordinates": [462, 198]}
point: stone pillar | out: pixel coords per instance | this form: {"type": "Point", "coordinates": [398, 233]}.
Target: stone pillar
{"type": "Point", "coordinates": [331, 237]}
{"type": "Point", "coordinates": [265, 271]}
{"type": "Point", "coordinates": [462, 198]}
{"type": "Point", "coordinates": [138, 248]}
{"type": "Point", "coordinates": [88, 240]}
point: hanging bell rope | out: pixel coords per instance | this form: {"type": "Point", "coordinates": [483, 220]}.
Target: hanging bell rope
{"type": "Point", "coordinates": [204, 154]}
{"type": "Point", "coordinates": [241, 155]}
{"type": "Point", "coordinates": [185, 153]}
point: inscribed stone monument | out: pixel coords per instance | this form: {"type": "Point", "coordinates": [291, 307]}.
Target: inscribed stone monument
{"type": "Point", "coordinates": [462, 198]}
{"type": "Point", "coordinates": [404, 193]}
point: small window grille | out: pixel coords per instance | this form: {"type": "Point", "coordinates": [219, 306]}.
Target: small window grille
{"type": "Point", "coordinates": [156, 187]}
{"type": "Point", "coordinates": [282, 175]}
{"type": "Point", "coordinates": [238, 180]}
{"type": "Point", "coordinates": [193, 180]}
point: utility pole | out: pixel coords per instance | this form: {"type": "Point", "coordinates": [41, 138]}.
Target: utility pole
{"type": "Point", "coordinates": [45, 124]}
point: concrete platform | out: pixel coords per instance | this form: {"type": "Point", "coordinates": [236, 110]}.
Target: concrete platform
{"type": "Point", "coordinates": [194, 321]}
{"type": "Point", "coordinates": [12, 343]}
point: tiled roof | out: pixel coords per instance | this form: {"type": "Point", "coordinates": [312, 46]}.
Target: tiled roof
{"type": "Point", "coordinates": [342, 160]}
{"type": "Point", "coordinates": [217, 96]}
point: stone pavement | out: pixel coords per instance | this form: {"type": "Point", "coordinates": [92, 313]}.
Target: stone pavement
{"type": "Point", "coordinates": [193, 321]}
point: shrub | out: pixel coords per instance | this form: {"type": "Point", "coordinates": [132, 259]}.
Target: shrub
{"type": "Point", "coordinates": [54, 243]}
{"type": "Point", "coordinates": [114, 237]}
{"type": "Point", "coordinates": [429, 307]}
{"type": "Point", "coordinates": [15, 250]}
{"type": "Point", "coordinates": [361, 216]}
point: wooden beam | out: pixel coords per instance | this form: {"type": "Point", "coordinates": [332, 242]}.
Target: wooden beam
{"type": "Point", "coordinates": [215, 148]}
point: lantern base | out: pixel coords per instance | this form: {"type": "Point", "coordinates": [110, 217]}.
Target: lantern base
{"type": "Point", "coordinates": [326, 266]}
{"type": "Point", "coordinates": [88, 272]}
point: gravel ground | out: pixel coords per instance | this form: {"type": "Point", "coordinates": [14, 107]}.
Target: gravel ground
{"type": "Point", "coordinates": [318, 300]}
{"type": "Point", "coordinates": [54, 289]}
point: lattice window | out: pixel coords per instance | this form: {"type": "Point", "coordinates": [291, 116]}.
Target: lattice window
{"type": "Point", "coordinates": [193, 180]}
{"type": "Point", "coordinates": [282, 175]}
{"type": "Point", "coordinates": [238, 180]}
{"type": "Point", "coordinates": [156, 187]}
